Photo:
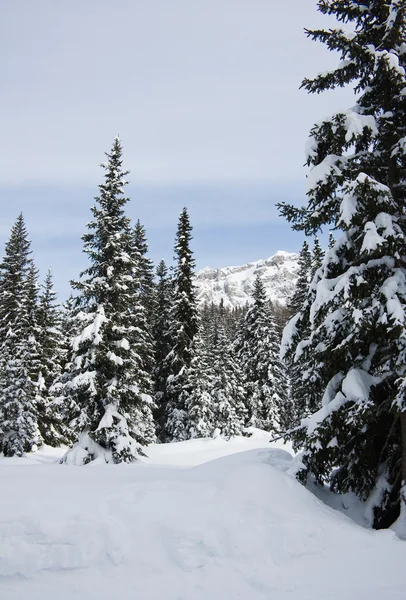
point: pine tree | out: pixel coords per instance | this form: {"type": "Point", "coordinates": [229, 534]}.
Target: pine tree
{"type": "Point", "coordinates": [31, 323]}
{"type": "Point", "coordinates": [51, 346]}
{"type": "Point", "coordinates": [258, 353]}
{"type": "Point", "coordinates": [198, 401]}
{"type": "Point", "coordinates": [303, 279]}
{"type": "Point", "coordinates": [107, 379]}
{"type": "Point", "coordinates": [297, 364]}
{"type": "Point", "coordinates": [162, 344]}
{"type": "Point", "coordinates": [226, 386]}
{"type": "Point", "coordinates": [317, 257]}
{"type": "Point", "coordinates": [183, 328]}
{"type": "Point", "coordinates": [331, 240]}
{"type": "Point", "coordinates": [18, 416]}
{"type": "Point", "coordinates": [13, 274]}
{"type": "Point", "coordinates": [145, 271]}
{"type": "Point", "coordinates": [357, 338]}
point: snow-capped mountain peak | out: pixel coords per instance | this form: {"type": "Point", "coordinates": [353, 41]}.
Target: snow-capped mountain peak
{"type": "Point", "coordinates": [234, 284]}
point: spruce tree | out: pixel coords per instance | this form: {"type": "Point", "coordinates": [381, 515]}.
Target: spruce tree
{"type": "Point", "coordinates": [357, 438]}
{"type": "Point", "coordinates": [13, 274]}
{"type": "Point", "coordinates": [303, 279]}
{"type": "Point", "coordinates": [51, 346]}
{"type": "Point", "coordinates": [144, 277]}
{"type": "Point", "coordinates": [183, 328]}
{"type": "Point", "coordinates": [264, 374]}
{"type": "Point", "coordinates": [107, 380]}
{"type": "Point", "coordinates": [162, 345]}
{"type": "Point", "coordinates": [146, 270]}
{"type": "Point", "coordinates": [317, 257]}
{"type": "Point", "coordinates": [226, 386]}
{"type": "Point", "coordinates": [198, 401]}
{"type": "Point", "coordinates": [18, 415]}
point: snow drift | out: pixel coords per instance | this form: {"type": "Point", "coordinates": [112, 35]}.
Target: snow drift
{"type": "Point", "coordinates": [234, 527]}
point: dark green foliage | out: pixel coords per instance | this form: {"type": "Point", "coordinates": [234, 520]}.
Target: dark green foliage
{"type": "Point", "coordinates": [107, 377]}
{"type": "Point", "coordinates": [264, 376]}
{"type": "Point", "coordinates": [18, 346]}
{"type": "Point", "coordinates": [162, 345]}
{"type": "Point", "coordinates": [53, 429]}
{"type": "Point", "coordinates": [183, 328]}
{"type": "Point", "coordinates": [303, 279]}
{"type": "Point", "coordinates": [355, 343]}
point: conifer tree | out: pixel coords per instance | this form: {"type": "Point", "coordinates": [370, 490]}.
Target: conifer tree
{"type": "Point", "coordinates": [317, 257]}
{"type": "Point", "coordinates": [303, 279]}
{"type": "Point", "coordinates": [31, 322]}
{"type": "Point", "coordinates": [145, 275]}
{"type": "Point", "coordinates": [13, 274]}
{"type": "Point", "coordinates": [162, 345]}
{"type": "Point", "coordinates": [357, 438]}
{"type": "Point", "coordinates": [198, 401]}
{"type": "Point", "coordinates": [226, 386]}
{"type": "Point", "coordinates": [51, 347]}
{"type": "Point", "coordinates": [18, 416]}
{"type": "Point", "coordinates": [107, 379]}
{"type": "Point", "coordinates": [183, 328]}
{"type": "Point", "coordinates": [264, 375]}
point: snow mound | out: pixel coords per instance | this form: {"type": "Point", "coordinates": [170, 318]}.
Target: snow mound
{"type": "Point", "coordinates": [234, 527]}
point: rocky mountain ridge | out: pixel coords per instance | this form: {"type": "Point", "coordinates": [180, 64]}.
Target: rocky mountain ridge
{"type": "Point", "coordinates": [234, 284]}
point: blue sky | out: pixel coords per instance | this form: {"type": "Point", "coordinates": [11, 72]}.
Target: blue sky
{"type": "Point", "coordinates": [204, 95]}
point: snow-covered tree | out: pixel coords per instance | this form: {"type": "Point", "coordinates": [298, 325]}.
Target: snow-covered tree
{"type": "Point", "coordinates": [162, 344]}
{"type": "Point", "coordinates": [146, 271]}
{"type": "Point", "coordinates": [51, 347]}
{"type": "Point", "coordinates": [303, 279]}
{"type": "Point", "coordinates": [106, 377]}
{"type": "Point", "coordinates": [18, 415]}
{"type": "Point", "coordinates": [264, 374]}
{"type": "Point", "coordinates": [317, 257]}
{"type": "Point", "coordinates": [13, 274]}
{"type": "Point", "coordinates": [183, 328]}
{"type": "Point", "coordinates": [198, 401]}
{"type": "Point", "coordinates": [356, 303]}
{"type": "Point", "coordinates": [226, 386]}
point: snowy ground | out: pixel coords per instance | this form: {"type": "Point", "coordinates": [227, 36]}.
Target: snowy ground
{"type": "Point", "coordinates": [204, 519]}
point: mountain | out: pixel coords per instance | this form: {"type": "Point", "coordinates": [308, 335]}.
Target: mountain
{"type": "Point", "coordinates": [234, 284]}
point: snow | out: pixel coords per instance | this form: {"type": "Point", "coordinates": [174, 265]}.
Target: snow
{"type": "Point", "coordinates": [355, 387]}
{"type": "Point", "coordinates": [235, 284]}
{"type": "Point", "coordinates": [198, 519]}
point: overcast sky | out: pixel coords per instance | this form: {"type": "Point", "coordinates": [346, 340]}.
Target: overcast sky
{"type": "Point", "coordinates": [205, 96]}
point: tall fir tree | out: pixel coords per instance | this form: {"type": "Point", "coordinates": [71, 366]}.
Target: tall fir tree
{"type": "Point", "coordinates": [303, 279]}
{"type": "Point", "coordinates": [317, 257]}
{"type": "Point", "coordinates": [183, 328]}
{"type": "Point", "coordinates": [357, 438]}
{"type": "Point", "coordinates": [226, 385]}
{"type": "Point", "coordinates": [144, 276]}
{"type": "Point", "coordinates": [162, 345]}
{"type": "Point", "coordinates": [264, 374]}
{"type": "Point", "coordinates": [53, 429]}
{"type": "Point", "coordinates": [18, 415]}
{"type": "Point", "coordinates": [198, 401]}
{"type": "Point", "coordinates": [107, 380]}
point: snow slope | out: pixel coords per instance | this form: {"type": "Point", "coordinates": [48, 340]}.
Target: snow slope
{"type": "Point", "coordinates": [234, 284]}
{"type": "Point", "coordinates": [199, 520]}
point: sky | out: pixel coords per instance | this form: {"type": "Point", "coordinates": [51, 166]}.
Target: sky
{"type": "Point", "coordinates": [205, 97]}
